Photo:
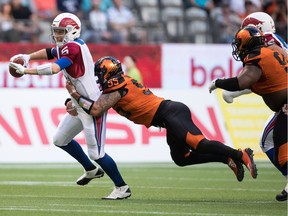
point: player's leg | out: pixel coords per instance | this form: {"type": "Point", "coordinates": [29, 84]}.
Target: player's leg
{"type": "Point", "coordinates": [95, 133]}
{"type": "Point", "coordinates": [182, 155]}
{"type": "Point", "coordinates": [267, 143]}
{"type": "Point", "coordinates": [179, 122]}
{"type": "Point", "coordinates": [68, 128]}
{"type": "Point", "coordinates": [281, 148]}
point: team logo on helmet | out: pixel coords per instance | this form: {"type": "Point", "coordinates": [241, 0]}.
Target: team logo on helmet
{"type": "Point", "coordinates": [69, 22]}
{"type": "Point", "coordinates": [246, 40]}
{"type": "Point", "coordinates": [105, 68]}
{"type": "Point", "coordinates": [251, 20]}
{"type": "Point", "coordinates": [261, 20]}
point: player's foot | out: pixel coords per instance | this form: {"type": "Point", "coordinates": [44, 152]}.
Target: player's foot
{"type": "Point", "coordinates": [237, 168]}
{"type": "Point", "coordinates": [282, 196]}
{"type": "Point", "coordinates": [122, 192]}
{"type": "Point", "coordinates": [247, 159]}
{"type": "Point", "coordinates": [89, 175]}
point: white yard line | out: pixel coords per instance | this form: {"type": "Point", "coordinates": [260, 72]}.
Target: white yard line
{"type": "Point", "coordinates": [119, 212]}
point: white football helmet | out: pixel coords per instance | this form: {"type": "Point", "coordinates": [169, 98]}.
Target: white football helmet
{"type": "Point", "coordinates": [68, 22]}
{"type": "Point", "coordinates": [261, 20]}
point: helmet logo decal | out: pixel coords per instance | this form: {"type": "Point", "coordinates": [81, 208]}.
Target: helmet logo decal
{"type": "Point", "coordinates": [68, 22]}
{"type": "Point", "coordinates": [251, 20]}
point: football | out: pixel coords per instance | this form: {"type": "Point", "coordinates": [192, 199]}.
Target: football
{"type": "Point", "coordinates": [12, 71]}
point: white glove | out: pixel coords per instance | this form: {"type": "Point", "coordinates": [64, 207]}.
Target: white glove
{"type": "Point", "coordinates": [71, 109]}
{"type": "Point", "coordinates": [24, 56]}
{"type": "Point", "coordinates": [18, 67]}
{"type": "Point", "coordinates": [227, 96]}
{"type": "Point", "coordinates": [212, 86]}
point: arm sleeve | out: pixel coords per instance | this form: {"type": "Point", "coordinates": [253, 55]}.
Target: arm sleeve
{"type": "Point", "coordinates": [49, 53]}
{"type": "Point", "coordinates": [230, 84]}
{"type": "Point", "coordinates": [63, 62]}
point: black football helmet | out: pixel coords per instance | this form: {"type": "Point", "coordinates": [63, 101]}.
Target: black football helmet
{"type": "Point", "coordinates": [107, 67]}
{"type": "Point", "coordinates": [245, 40]}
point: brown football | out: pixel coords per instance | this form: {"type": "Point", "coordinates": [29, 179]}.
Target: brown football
{"type": "Point", "coordinates": [12, 71]}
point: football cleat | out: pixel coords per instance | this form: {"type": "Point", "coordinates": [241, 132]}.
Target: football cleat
{"type": "Point", "coordinates": [237, 168]}
{"type": "Point", "coordinates": [247, 159]}
{"type": "Point", "coordinates": [282, 196]}
{"type": "Point", "coordinates": [89, 175]}
{"type": "Point", "coordinates": [122, 192]}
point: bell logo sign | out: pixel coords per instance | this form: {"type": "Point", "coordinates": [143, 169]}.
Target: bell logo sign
{"type": "Point", "coordinates": [201, 76]}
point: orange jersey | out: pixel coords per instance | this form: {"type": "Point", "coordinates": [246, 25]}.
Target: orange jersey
{"type": "Point", "coordinates": [138, 103]}
{"type": "Point", "coordinates": [274, 70]}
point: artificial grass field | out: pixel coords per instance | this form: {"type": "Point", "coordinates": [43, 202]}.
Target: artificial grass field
{"type": "Point", "coordinates": [157, 189]}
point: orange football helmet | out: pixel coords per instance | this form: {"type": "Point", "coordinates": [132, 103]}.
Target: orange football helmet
{"type": "Point", "coordinates": [107, 67]}
{"type": "Point", "coordinates": [246, 40]}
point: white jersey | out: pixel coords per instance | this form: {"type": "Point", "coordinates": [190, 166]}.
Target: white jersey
{"type": "Point", "coordinates": [81, 74]}
{"type": "Point", "coordinates": [272, 38]}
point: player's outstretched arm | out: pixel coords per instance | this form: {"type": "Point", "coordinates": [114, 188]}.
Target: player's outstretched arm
{"type": "Point", "coordinates": [94, 108]}
{"type": "Point", "coordinates": [44, 69]}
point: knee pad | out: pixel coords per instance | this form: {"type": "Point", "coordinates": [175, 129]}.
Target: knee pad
{"type": "Point", "coordinates": [58, 141]}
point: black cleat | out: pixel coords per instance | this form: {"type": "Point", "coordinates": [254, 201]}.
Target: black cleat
{"type": "Point", "coordinates": [281, 196]}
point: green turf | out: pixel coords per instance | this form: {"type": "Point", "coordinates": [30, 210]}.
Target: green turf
{"type": "Point", "coordinates": [157, 189]}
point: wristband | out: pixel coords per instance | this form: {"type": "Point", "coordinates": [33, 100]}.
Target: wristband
{"type": "Point", "coordinates": [85, 103]}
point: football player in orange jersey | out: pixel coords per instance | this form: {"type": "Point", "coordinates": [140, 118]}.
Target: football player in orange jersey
{"type": "Point", "coordinates": [265, 24]}
{"type": "Point", "coordinates": [131, 99]}
{"type": "Point", "coordinates": [265, 73]}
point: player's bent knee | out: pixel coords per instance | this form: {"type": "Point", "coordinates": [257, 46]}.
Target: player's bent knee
{"type": "Point", "coordinates": [57, 141]}
{"type": "Point", "coordinates": [179, 161]}
{"type": "Point", "coordinates": [93, 154]}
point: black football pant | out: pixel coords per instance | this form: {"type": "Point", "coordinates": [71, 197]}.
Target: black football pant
{"type": "Point", "coordinates": [187, 144]}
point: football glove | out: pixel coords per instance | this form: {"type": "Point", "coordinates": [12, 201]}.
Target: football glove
{"type": "Point", "coordinates": [212, 86]}
{"type": "Point", "coordinates": [227, 96]}
{"type": "Point", "coordinates": [18, 67]}
{"type": "Point", "coordinates": [71, 109]}
{"type": "Point", "coordinates": [23, 56]}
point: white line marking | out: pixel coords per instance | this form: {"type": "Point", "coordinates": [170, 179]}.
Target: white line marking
{"type": "Point", "coordinates": [12, 208]}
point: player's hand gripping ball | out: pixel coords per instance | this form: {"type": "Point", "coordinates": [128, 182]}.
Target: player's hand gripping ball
{"type": "Point", "coordinates": [12, 70]}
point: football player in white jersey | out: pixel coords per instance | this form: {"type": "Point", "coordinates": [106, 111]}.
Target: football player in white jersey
{"type": "Point", "coordinates": [75, 61]}
{"type": "Point", "coordinates": [265, 23]}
